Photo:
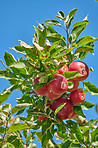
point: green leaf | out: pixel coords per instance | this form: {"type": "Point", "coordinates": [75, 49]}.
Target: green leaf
{"type": "Point", "coordinates": [80, 23]}
{"type": "Point", "coordinates": [91, 88]}
{"type": "Point", "coordinates": [75, 33]}
{"type": "Point", "coordinates": [70, 17]}
{"type": "Point", "coordinates": [67, 142]}
{"type": "Point", "coordinates": [61, 15]}
{"type": "Point", "coordinates": [86, 40]}
{"type": "Point", "coordinates": [43, 79]}
{"type": "Point", "coordinates": [37, 86]}
{"type": "Point", "coordinates": [19, 107]}
{"type": "Point", "coordinates": [95, 144]}
{"type": "Point", "coordinates": [18, 65]}
{"type": "Point", "coordinates": [41, 35]}
{"type": "Point", "coordinates": [75, 130]}
{"type": "Point", "coordinates": [85, 49]}
{"type": "Point", "coordinates": [17, 127]}
{"type": "Point", "coordinates": [79, 111]}
{"type": "Point", "coordinates": [59, 108]}
{"type": "Point", "coordinates": [13, 139]}
{"type": "Point", "coordinates": [9, 58]}
{"type": "Point", "coordinates": [7, 74]}
{"type": "Point", "coordinates": [19, 49]}
{"type": "Point", "coordinates": [94, 135]}
{"type": "Point", "coordinates": [57, 36]}
{"type": "Point", "coordinates": [52, 22]}
{"type": "Point", "coordinates": [86, 105]}
{"type": "Point", "coordinates": [8, 145]}
{"type": "Point", "coordinates": [4, 95]}
{"type": "Point", "coordinates": [71, 74]}
{"type": "Point", "coordinates": [46, 127]}
{"type": "Point", "coordinates": [2, 130]}
{"type": "Point", "coordinates": [6, 108]}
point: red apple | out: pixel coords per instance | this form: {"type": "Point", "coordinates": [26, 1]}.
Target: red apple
{"type": "Point", "coordinates": [81, 67]}
{"type": "Point", "coordinates": [42, 90]}
{"type": "Point", "coordinates": [51, 95]}
{"type": "Point", "coordinates": [77, 96]}
{"type": "Point", "coordinates": [75, 85]}
{"type": "Point", "coordinates": [74, 115]}
{"type": "Point", "coordinates": [60, 85]}
{"type": "Point", "coordinates": [63, 68]}
{"type": "Point", "coordinates": [66, 111]}
{"type": "Point", "coordinates": [44, 117]}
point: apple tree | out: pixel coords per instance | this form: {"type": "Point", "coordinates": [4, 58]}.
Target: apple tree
{"type": "Point", "coordinates": [53, 79]}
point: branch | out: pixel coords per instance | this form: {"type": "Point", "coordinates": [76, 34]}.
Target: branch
{"type": "Point", "coordinates": [3, 64]}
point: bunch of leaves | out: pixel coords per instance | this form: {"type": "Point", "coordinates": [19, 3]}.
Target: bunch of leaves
{"type": "Point", "coordinates": [41, 60]}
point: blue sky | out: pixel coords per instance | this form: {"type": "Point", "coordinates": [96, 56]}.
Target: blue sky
{"type": "Point", "coordinates": [17, 18]}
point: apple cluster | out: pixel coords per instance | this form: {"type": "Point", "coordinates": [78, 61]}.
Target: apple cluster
{"type": "Point", "coordinates": [56, 88]}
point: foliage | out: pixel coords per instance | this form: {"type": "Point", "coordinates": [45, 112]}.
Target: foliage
{"type": "Point", "coordinates": [49, 47]}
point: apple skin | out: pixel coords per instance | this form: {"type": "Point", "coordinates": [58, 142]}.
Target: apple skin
{"type": "Point", "coordinates": [81, 67]}
{"type": "Point", "coordinates": [40, 118]}
{"type": "Point", "coordinates": [60, 85]}
{"type": "Point", "coordinates": [51, 95]}
{"type": "Point", "coordinates": [74, 115]}
{"type": "Point", "coordinates": [66, 111]}
{"type": "Point", "coordinates": [77, 96]}
{"type": "Point", "coordinates": [75, 85]}
{"type": "Point", "coordinates": [42, 90]}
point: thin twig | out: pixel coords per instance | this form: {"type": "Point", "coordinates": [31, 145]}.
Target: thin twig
{"type": "Point", "coordinates": [33, 65]}
{"type": "Point", "coordinates": [3, 63]}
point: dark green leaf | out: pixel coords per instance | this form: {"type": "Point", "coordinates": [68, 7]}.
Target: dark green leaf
{"type": "Point", "coordinates": [86, 105]}
{"type": "Point", "coordinates": [91, 88]}
{"type": "Point", "coordinates": [76, 31]}
{"type": "Point", "coordinates": [61, 15]}
{"type": "Point", "coordinates": [46, 127]}
{"type": "Point", "coordinates": [70, 17]}
{"type": "Point", "coordinates": [2, 130]}
{"type": "Point", "coordinates": [9, 58]}
{"type": "Point", "coordinates": [94, 135]}
{"type": "Point", "coordinates": [66, 143]}
{"type": "Point", "coordinates": [75, 130]}
{"type": "Point", "coordinates": [19, 107]}
{"type": "Point", "coordinates": [79, 111]}
{"type": "Point", "coordinates": [41, 35]}
{"type": "Point", "coordinates": [86, 40]}
{"type": "Point", "coordinates": [52, 22]}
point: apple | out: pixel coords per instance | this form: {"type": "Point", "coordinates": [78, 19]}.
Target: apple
{"type": "Point", "coordinates": [66, 111]}
{"type": "Point", "coordinates": [63, 69]}
{"type": "Point", "coordinates": [42, 90]}
{"type": "Point", "coordinates": [75, 85]}
{"type": "Point", "coordinates": [40, 118]}
{"type": "Point", "coordinates": [59, 85]}
{"type": "Point", "coordinates": [77, 96]}
{"type": "Point", "coordinates": [81, 67]}
{"type": "Point", "coordinates": [74, 115]}
{"type": "Point", "coordinates": [51, 95]}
